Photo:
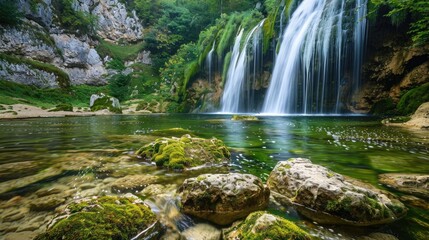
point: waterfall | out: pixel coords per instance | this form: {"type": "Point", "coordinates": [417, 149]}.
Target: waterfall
{"type": "Point", "coordinates": [239, 71]}
{"type": "Point", "coordinates": [209, 63]}
{"type": "Point", "coordinates": [309, 71]}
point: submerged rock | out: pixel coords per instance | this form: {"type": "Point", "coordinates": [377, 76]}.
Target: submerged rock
{"type": "Point", "coordinates": [185, 152]}
{"type": "Point", "coordinates": [262, 225]}
{"type": "Point", "coordinates": [223, 198]}
{"type": "Point", "coordinates": [102, 101]}
{"type": "Point", "coordinates": [104, 218]}
{"type": "Point", "coordinates": [132, 183]}
{"type": "Point", "coordinates": [328, 198]}
{"type": "Point", "coordinates": [202, 231]}
{"type": "Point", "coordinates": [414, 184]}
{"type": "Point", "coordinates": [244, 118]}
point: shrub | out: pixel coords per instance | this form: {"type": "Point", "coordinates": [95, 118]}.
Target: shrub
{"type": "Point", "coordinates": [412, 99]}
{"type": "Point", "coordinates": [9, 13]}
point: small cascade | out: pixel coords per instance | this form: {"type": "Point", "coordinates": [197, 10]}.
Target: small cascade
{"type": "Point", "coordinates": [309, 71]}
{"type": "Point", "coordinates": [209, 63]}
{"type": "Point", "coordinates": [242, 72]}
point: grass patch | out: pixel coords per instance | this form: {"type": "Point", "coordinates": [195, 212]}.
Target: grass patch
{"type": "Point", "coordinates": [14, 93]}
{"type": "Point", "coordinates": [121, 52]}
{"type": "Point", "coordinates": [62, 77]}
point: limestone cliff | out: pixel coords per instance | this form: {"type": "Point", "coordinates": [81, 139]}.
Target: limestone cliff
{"type": "Point", "coordinates": [49, 49]}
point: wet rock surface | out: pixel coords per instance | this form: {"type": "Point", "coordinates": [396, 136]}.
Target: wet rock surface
{"type": "Point", "coordinates": [223, 198]}
{"type": "Point", "coordinates": [132, 183]}
{"type": "Point", "coordinates": [330, 198]}
{"type": "Point", "coordinates": [414, 184]}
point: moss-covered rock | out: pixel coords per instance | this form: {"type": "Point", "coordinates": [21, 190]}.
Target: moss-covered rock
{"type": "Point", "coordinates": [185, 152]}
{"type": "Point", "coordinates": [103, 218]}
{"type": "Point", "coordinates": [328, 197]}
{"type": "Point", "coordinates": [244, 118]}
{"type": "Point", "coordinates": [265, 226]}
{"type": "Point", "coordinates": [62, 107]}
{"type": "Point", "coordinates": [414, 184]}
{"type": "Point", "coordinates": [101, 101]}
{"type": "Point", "coordinates": [223, 198]}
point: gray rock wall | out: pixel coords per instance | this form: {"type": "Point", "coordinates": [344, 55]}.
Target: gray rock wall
{"type": "Point", "coordinates": [24, 74]}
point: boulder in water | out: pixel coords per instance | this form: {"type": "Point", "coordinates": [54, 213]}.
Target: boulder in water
{"type": "Point", "coordinates": [329, 198]}
{"type": "Point", "coordinates": [102, 101]}
{"type": "Point", "coordinates": [185, 152]}
{"type": "Point", "coordinates": [107, 217]}
{"type": "Point", "coordinates": [262, 225]}
{"type": "Point", "coordinates": [223, 198]}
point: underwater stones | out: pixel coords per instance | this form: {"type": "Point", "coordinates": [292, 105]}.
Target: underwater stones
{"type": "Point", "coordinates": [328, 198]}
{"type": "Point", "coordinates": [202, 231]}
{"type": "Point", "coordinates": [244, 118]}
{"type": "Point", "coordinates": [102, 101]}
{"type": "Point", "coordinates": [223, 198]}
{"type": "Point", "coordinates": [132, 183]}
{"type": "Point", "coordinates": [158, 189]}
{"type": "Point", "coordinates": [107, 217]}
{"type": "Point", "coordinates": [185, 152]}
{"type": "Point", "coordinates": [47, 203]}
{"type": "Point", "coordinates": [17, 169]}
{"type": "Point", "coordinates": [171, 132]}
{"type": "Point", "coordinates": [414, 184]}
{"type": "Point", "coordinates": [262, 225]}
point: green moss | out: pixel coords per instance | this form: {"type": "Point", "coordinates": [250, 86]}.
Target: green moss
{"type": "Point", "coordinates": [172, 132]}
{"type": "Point", "coordinates": [339, 207]}
{"type": "Point", "coordinates": [62, 107]}
{"type": "Point", "coordinates": [274, 228]}
{"type": "Point", "coordinates": [103, 218]}
{"type": "Point", "coordinates": [105, 103]}
{"type": "Point", "coordinates": [62, 77]}
{"type": "Point", "coordinates": [412, 99]}
{"type": "Point", "coordinates": [2, 108]}
{"type": "Point", "coordinates": [184, 152]}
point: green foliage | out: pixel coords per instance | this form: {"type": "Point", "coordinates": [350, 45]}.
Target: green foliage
{"type": "Point", "coordinates": [119, 52]}
{"type": "Point", "coordinates": [62, 107]}
{"type": "Point", "coordinates": [62, 77]}
{"type": "Point", "coordinates": [13, 93]}
{"type": "Point", "coordinates": [415, 11]}
{"type": "Point", "coordinates": [179, 70]}
{"type": "Point", "coordinates": [384, 107]}
{"type": "Point", "coordinates": [104, 218]}
{"type": "Point", "coordinates": [119, 86]}
{"type": "Point", "coordinates": [148, 10]}
{"type": "Point", "coordinates": [116, 64]}
{"type": "Point", "coordinates": [77, 22]}
{"type": "Point", "coordinates": [9, 13]}
{"type": "Point", "coordinates": [412, 99]}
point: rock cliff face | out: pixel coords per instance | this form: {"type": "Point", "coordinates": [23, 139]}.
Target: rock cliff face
{"type": "Point", "coordinates": [40, 38]}
{"type": "Point", "coordinates": [393, 65]}
{"type": "Point", "coordinates": [114, 21]}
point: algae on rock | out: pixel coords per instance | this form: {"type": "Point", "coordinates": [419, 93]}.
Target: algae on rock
{"type": "Point", "coordinates": [185, 152]}
{"type": "Point", "coordinates": [103, 218]}
{"type": "Point", "coordinates": [265, 226]}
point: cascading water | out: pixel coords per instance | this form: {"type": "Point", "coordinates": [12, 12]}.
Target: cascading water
{"type": "Point", "coordinates": [239, 70]}
{"type": "Point", "coordinates": [310, 67]}
{"type": "Point", "coordinates": [209, 63]}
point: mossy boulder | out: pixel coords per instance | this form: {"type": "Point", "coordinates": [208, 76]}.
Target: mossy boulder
{"type": "Point", "coordinates": [107, 217]}
{"type": "Point", "coordinates": [244, 118]}
{"type": "Point", "coordinates": [329, 198]}
{"type": "Point", "coordinates": [101, 101]}
{"type": "Point", "coordinates": [265, 226]}
{"type": "Point", "coordinates": [62, 107]}
{"type": "Point", "coordinates": [185, 152]}
{"type": "Point", "coordinates": [223, 198]}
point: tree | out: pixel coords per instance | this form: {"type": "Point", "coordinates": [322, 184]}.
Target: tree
{"type": "Point", "coordinates": [9, 13]}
